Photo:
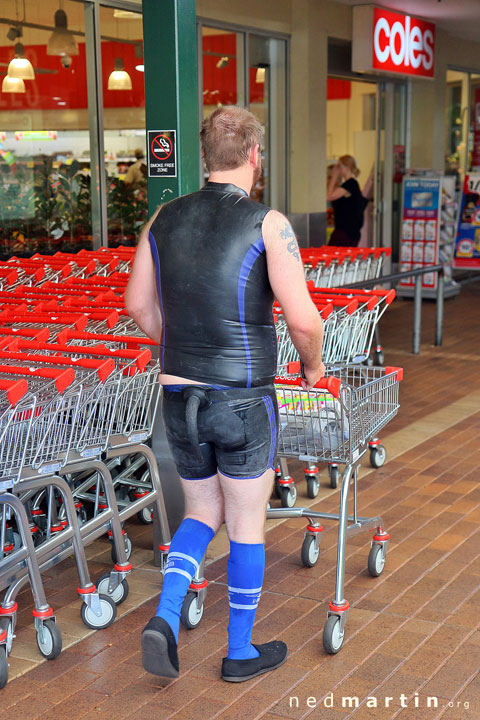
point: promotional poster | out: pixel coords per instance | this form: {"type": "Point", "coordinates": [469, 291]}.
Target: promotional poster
{"type": "Point", "coordinates": [467, 244]}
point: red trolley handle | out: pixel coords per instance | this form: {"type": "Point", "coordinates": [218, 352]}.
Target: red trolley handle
{"type": "Point", "coordinates": [389, 295]}
{"type": "Point", "coordinates": [331, 384]}
{"type": "Point", "coordinates": [15, 389]}
{"type": "Point", "coordinates": [398, 371]}
{"type": "Point", "coordinates": [141, 357]}
{"type": "Point", "coordinates": [41, 334]}
{"type": "Point", "coordinates": [63, 378]}
{"type": "Point", "coordinates": [104, 368]}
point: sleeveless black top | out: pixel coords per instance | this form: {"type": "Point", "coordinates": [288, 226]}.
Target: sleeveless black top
{"type": "Point", "coordinates": [215, 296]}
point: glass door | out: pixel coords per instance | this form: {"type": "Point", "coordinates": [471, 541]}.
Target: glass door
{"type": "Point", "coordinates": [267, 101]}
{"type": "Point", "coordinates": [250, 70]}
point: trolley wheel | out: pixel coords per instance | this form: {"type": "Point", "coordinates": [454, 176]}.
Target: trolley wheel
{"type": "Point", "coordinates": [376, 560]}
{"type": "Point", "coordinates": [49, 641]}
{"type": "Point", "coordinates": [378, 455]}
{"type": "Point", "coordinates": [3, 666]}
{"type": "Point", "coordinates": [288, 496]}
{"type": "Point", "coordinates": [191, 614]}
{"type": "Point", "coordinates": [106, 618]}
{"type": "Point", "coordinates": [310, 551]}
{"type": "Point", "coordinates": [277, 489]}
{"type": "Point", "coordinates": [128, 549]}
{"type": "Point", "coordinates": [313, 485]}
{"type": "Point", "coordinates": [332, 635]}
{"type": "Point", "coordinates": [368, 361]}
{"type": "Point", "coordinates": [145, 516]}
{"type": "Point", "coordinates": [334, 475]}
{"type": "Point", "coordinates": [379, 357]}
{"type": "Point", "coordinates": [119, 595]}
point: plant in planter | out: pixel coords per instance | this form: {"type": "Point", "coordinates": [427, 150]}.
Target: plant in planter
{"type": "Point", "coordinates": [50, 224]}
{"type": "Point", "coordinates": [126, 211]}
{"type": "Point", "coordinates": [74, 201]}
{"type": "Point", "coordinates": [17, 211]}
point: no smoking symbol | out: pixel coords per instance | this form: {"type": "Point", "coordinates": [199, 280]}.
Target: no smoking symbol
{"type": "Point", "coordinates": [162, 147]}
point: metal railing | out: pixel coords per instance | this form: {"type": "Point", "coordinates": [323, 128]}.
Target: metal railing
{"type": "Point", "coordinates": [417, 299]}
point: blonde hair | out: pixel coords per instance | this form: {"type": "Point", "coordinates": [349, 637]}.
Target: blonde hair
{"type": "Point", "coordinates": [227, 136]}
{"type": "Point", "coordinates": [348, 161]}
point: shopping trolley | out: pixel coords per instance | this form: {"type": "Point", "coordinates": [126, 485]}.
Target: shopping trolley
{"type": "Point", "coordinates": [349, 321]}
{"type": "Point", "coordinates": [18, 408]}
{"type": "Point", "coordinates": [333, 422]}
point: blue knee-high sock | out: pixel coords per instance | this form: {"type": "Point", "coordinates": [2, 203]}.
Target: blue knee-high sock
{"type": "Point", "coordinates": [246, 566]}
{"type": "Point", "coordinates": [187, 549]}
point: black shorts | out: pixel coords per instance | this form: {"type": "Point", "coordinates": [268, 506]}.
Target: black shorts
{"type": "Point", "coordinates": [237, 432]}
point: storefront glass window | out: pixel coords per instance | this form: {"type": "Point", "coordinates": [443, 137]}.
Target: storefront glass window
{"type": "Point", "coordinates": [457, 102]}
{"type": "Point", "coordinates": [124, 124]}
{"type": "Point", "coordinates": [267, 101]}
{"type": "Point", "coordinates": [474, 139]}
{"type": "Point", "coordinates": [45, 200]}
{"type": "Point", "coordinates": [224, 83]}
{"type": "Point", "coordinates": [351, 130]}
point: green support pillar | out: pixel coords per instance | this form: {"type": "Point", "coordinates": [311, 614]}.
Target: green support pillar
{"type": "Point", "coordinates": [171, 97]}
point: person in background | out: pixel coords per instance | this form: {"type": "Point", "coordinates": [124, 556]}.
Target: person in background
{"type": "Point", "coordinates": [137, 172]}
{"type": "Point", "coordinates": [348, 203]}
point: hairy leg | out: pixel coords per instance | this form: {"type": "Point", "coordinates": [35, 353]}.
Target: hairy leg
{"type": "Point", "coordinates": [204, 501]}
{"type": "Point", "coordinates": [246, 505]}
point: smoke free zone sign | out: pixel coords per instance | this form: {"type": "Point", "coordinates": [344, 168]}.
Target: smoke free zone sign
{"type": "Point", "coordinates": [162, 153]}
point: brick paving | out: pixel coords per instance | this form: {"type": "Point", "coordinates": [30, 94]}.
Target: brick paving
{"type": "Point", "coordinates": [413, 634]}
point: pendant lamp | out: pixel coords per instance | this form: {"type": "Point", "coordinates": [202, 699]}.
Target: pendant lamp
{"type": "Point", "coordinates": [20, 66]}
{"type": "Point", "coordinates": [13, 85]}
{"type": "Point", "coordinates": [119, 79]}
{"type": "Point", "coordinates": [62, 41]}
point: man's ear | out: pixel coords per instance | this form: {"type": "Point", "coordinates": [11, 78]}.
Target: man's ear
{"type": "Point", "coordinates": [254, 156]}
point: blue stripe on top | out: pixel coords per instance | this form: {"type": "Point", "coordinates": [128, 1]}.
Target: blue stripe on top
{"type": "Point", "coordinates": [248, 262]}
{"type": "Point", "coordinates": [273, 428]}
{"type": "Point", "coordinates": [156, 260]}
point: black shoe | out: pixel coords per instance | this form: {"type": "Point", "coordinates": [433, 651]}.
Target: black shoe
{"type": "Point", "coordinates": [159, 648]}
{"type": "Point", "coordinates": [272, 655]}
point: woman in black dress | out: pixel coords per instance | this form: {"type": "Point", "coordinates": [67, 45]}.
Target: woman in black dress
{"type": "Point", "coordinates": [348, 203]}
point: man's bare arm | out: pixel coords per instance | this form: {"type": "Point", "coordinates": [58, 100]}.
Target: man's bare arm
{"type": "Point", "coordinates": [285, 272]}
{"type": "Point", "coordinates": [141, 296]}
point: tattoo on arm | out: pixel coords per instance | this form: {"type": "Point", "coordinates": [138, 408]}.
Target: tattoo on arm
{"type": "Point", "coordinates": [292, 246]}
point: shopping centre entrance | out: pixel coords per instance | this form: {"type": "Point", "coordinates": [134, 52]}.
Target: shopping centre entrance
{"type": "Point", "coordinates": [367, 118]}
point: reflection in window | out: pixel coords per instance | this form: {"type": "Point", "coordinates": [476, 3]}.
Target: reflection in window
{"type": "Point", "coordinates": [45, 202]}
{"type": "Point", "coordinates": [124, 123]}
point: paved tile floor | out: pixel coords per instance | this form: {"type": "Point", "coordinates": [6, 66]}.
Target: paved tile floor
{"type": "Point", "coordinates": [413, 634]}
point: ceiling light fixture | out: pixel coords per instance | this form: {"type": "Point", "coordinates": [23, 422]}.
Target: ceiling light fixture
{"type": "Point", "coordinates": [260, 75]}
{"type": "Point", "coordinates": [61, 41]}
{"type": "Point", "coordinates": [140, 68]}
{"type": "Point", "coordinates": [20, 66]}
{"type": "Point", "coordinates": [119, 79]}
{"type": "Point", "coordinates": [13, 85]}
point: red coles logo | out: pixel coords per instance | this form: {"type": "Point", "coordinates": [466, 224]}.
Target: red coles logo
{"type": "Point", "coordinates": [403, 44]}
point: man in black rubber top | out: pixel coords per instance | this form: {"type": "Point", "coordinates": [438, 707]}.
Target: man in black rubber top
{"type": "Point", "coordinates": [207, 268]}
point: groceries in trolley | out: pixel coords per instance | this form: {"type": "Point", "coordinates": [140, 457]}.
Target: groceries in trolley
{"type": "Point", "coordinates": [310, 422]}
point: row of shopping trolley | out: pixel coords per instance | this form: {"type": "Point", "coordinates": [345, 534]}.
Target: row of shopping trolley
{"type": "Point", "coordinates": [329, 266]}
{"type": "Point", "coordinates": [80, 394]}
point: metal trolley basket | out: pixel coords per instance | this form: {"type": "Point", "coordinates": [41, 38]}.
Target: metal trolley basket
{"type": "Point", "coordinates": [334, 422]}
